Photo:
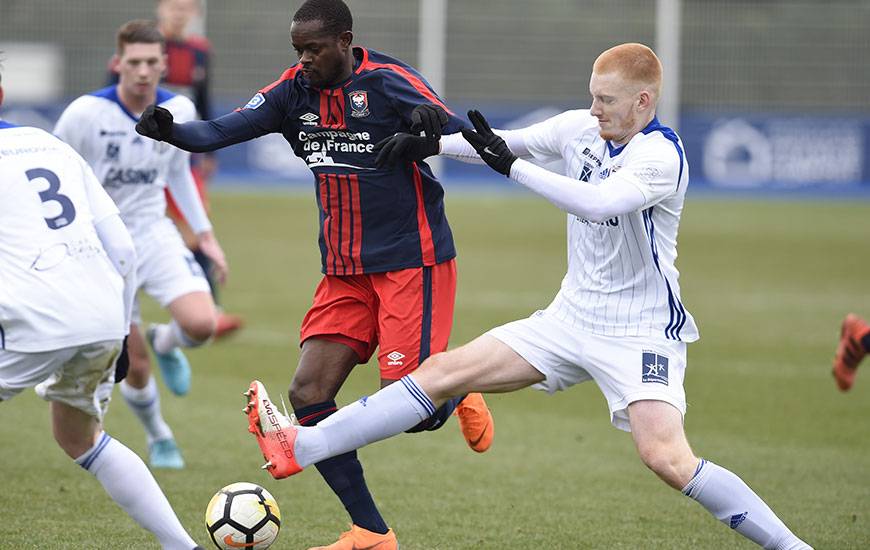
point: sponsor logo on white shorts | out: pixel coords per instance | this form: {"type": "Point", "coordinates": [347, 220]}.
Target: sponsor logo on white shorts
{"type": "Point", "coordinates": [654, 368]}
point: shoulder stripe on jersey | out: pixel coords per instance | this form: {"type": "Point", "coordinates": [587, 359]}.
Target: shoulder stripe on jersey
{"type": "Point", "coordinates": [413, 80]}
{"type": "Point", "coordinates": [678, 312]}
{"type": "Point", "coordinates": [427, 246]}
{"type": "Point", "coordinates": [289, 74]}
{"type": "Point", "coordinates": [4, 124]}
{"type": "Point", "coordinates": [670, 135]}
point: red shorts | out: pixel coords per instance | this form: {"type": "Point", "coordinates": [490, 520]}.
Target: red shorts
{"type": "Point", "coordinates": [407, 314]}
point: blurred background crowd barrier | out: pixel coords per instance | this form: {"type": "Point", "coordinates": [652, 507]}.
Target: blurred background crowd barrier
{"type": "Point", "coordinates": [768, 96]}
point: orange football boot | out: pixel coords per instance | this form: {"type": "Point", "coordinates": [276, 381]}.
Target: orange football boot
{"type": "Point", "coordinates": [275, 433]}
{"type": "Point", "coordinates": [476, 422]}
{"type": "Point", "coordinates": [227, 323]}
{"type": "Point", "coordinates": [850, 350]}
{"type": "Point", "coordinates": [362, 539]}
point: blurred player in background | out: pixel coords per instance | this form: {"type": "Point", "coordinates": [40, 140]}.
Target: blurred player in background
{"type": "Point", "coordinates": [135, 172]}
{"type": "Point", "coordinates": [854, 345]}
{"type": "Point", "coordinates": [68, 272]}
{"type": "Point", "coordinates": [188, 58]}
{"type": "Point", "coordinates": [618, 318]}
{"type": "Point", "coordinates": [386, 247]}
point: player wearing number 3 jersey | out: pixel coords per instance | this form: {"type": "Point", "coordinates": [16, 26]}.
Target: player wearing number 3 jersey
{"type": "Point", "coordinates": [135, 171]}
{"type": "Point", "coordinates": [67, 279]}
{"type": "Point", "coordinates": [387, 252]}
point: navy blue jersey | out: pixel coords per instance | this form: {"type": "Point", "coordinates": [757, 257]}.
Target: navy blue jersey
{"type": "Point", "coordinates": [371, 220]}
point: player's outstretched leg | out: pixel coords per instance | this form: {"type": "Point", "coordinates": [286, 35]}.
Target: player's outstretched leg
{"type": "Point", "coordinates": [854, 345]}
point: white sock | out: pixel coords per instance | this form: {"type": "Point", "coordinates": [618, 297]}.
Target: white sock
{"type": "Point", "coordinates": [392, 410]}
{"type": "Point", "coordinates": [170, 336]}
{"type": "Point", "coordinates": [127, 480]}
{"type": "Point", "coordinates": [145, 404]}
{"type": "Point", "coordinates": [733, 503]}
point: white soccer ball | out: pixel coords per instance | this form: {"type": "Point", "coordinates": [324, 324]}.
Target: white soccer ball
{"type": "Point", "coordinates": [243, 515]}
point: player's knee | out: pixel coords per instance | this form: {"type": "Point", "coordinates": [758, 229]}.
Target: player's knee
{"type": "Point", "coordinates": [663, 460]}
{"type": "Point", "coordinates": [200, 329]}
{"type": "Point", "coordinates": [72, 445]}
{"type": "Point", "coordinates": [304, 392]}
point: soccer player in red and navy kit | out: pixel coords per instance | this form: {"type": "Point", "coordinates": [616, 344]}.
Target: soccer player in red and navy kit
{"type": "Point", "coordinates": [386, 248]}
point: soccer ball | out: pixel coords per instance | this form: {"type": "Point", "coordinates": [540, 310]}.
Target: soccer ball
{"type": "Point", "coordinates": [243, 515]}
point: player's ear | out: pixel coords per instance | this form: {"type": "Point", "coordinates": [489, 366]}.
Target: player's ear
{"type": "Point", "coordinates": [644, 100]}
{"type": "Point", "coordinates": [345, 39]}
{"type": "Point", "coordinates": [115, 63]}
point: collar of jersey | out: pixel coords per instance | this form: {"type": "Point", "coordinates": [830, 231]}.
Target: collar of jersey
{"type": "Point", "coordinates": [653, 125]}
{"type": "Point", "coordinates": [111, 93]}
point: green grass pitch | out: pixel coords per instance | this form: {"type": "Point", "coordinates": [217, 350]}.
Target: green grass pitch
{"type": "Point", "coordinates": [768, 283]}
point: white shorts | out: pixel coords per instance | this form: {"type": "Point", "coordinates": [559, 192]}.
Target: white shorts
{"type": "Point", "coordinates": [79, 376]}
{"type": "Point", "coordinates": [626, 369]}
{"type": "Point", "coordinates": [166, 268]}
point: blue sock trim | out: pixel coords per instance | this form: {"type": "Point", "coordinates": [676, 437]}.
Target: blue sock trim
{"type": "Point", "coordinates": [96, 450]}
{"type": "Point", "coordinates": [140, 405]}
{"type": "Point", "coordinates": [418, 394]}
{"type": "Point", "coordinates": [691, 484]}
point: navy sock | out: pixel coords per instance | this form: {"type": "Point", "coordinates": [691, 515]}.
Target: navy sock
{"type": "Point", "coordinates": [442, 414]}
{"type": "Point", "coordinates": [344, 475]}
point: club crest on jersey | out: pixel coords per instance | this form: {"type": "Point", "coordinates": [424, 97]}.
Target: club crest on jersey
{"type": "Point", "coordinates": [359, 103]}
{"type": "Point", "coordinates": [112, 151]}
{"type": "Point", "coordinates": [654, 368]}
{"type": "Point", "coordinates": [255, 101]}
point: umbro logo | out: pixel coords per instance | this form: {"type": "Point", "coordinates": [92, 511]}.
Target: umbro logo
{"type": "Point", "coordinates": [309, 119]}
{"type": "Point", "coordinates": [395, 358]}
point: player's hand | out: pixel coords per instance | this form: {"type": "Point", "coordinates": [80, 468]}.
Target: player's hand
{"type": "Point", "coordinates": [209, 246]}
{"type": "Point", "coordinates": [401, 147]}
{"type": "Point", "coordinates": [490, 146]}
{"type": "Point", "coordinates": [429, 119]}
{"type": "Point", "coordinates": [155, 123]}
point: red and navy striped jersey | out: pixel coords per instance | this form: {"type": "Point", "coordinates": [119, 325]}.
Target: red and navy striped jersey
{"type": "Point", "coordinates": [371, 220]}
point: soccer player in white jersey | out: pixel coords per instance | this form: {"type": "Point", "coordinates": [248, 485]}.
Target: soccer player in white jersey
{"type": "Point", "coordinates": [135, 171]}
{"type": "Point", "coordinates": [618, 318]}
{"type": "Point", "coordinates": [67, 266]}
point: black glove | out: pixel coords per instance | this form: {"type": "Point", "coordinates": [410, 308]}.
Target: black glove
{"type": "Point", "coordinates": [122, 363]}
{"type": "Point", "coordinates": [491, 148]}
{"type": "Point", "coordinates": [428, 118]}
{"type": "Point", "coordinates": [400, 148]}
{"type": "Point", "coordinates": [155, 123]}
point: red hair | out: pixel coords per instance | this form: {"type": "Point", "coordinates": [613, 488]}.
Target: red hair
{"type": "Point", "coordinates": [634, 62]}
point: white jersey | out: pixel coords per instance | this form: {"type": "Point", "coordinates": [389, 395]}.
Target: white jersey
{"type": "Point", "coordinates": [58, 287]}
{"type": "Point", "coordinates": [133, 169]}
{"type": "Point", "coordinates": [621, 278]}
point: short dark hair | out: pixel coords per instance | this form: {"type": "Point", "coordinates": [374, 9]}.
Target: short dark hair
{"type": "Point", "coordinates": [334, 14]}
{"type": "Point", "coordinates": [139, 31]}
